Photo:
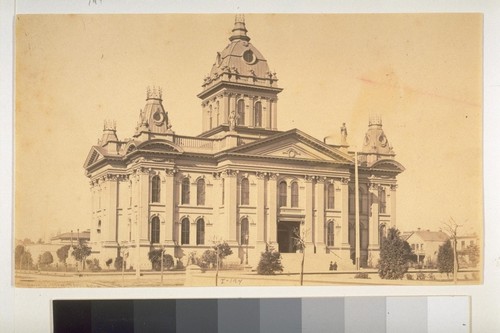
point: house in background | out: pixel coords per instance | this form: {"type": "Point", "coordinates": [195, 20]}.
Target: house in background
{"type": "Point", "coordinates": [425, 244]}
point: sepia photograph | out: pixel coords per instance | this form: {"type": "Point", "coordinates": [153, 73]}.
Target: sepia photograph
{"type": "Point", "coordinates": [248, 150]}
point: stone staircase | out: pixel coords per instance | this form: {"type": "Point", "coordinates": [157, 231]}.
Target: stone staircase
{"type": "Point", "coordinates": [314, 262]}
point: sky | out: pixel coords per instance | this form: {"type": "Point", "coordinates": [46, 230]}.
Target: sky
{"type": "Point", "coordinates": [422, 73]}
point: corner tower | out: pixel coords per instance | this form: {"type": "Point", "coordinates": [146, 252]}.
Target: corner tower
{"type": "Point", "coordinates": [240, 93]}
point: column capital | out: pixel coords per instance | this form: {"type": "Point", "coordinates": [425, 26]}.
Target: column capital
{"type": "Point", "coordinates": [394, 187]}
{"type": "Point", "coordinates": [345, 180]}
{"type": "Point", "coordinates": [171, 171]}
{"type": "Point", "coordinates": [230, 172]}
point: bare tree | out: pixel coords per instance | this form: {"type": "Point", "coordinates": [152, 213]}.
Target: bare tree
{"type": "Point", "coordinates": [300, 242]}
{"type": "Point", "coordinates": [451, 228]}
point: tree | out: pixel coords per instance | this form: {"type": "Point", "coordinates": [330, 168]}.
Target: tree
{"type": "Point", "coordinates": [395, 255]}
{"type": "Point", "coordinates": [445, 258]}
{"type": "Point", "coordinates": [270, 262]}
{"type": "Point", "coordinates": [300, 243]}
{"type": "Point", "coordinates": [62, 254]}
{"type": "Point", "coordinates": [451, 228]}
{"type": "Point", "coordinates": [81, 251]}
{"type": "Point", "coordinates": [155, 258]}
{"type": "Point", "coordinates": [223, 250]}
{"type": "Point", "coordinates": [473, 253]}
{"type": "Point", "coordinates": [45, 259]}
{"type": "Point", "coordinates": [208, 259]}
{"type": "Point", "coordinates": [18, 255]}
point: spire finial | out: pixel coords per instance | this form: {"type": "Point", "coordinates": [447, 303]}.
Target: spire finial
{"type": "Point", "coordinates": [239, 29]}
{"type": "Point", "coordinates": [153, 93]}
{"type": "Point", "coordinates": [375, 119]}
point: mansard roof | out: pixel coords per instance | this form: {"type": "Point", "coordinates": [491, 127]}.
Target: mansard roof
{"type": "Point", "coordinates": [388, 164]}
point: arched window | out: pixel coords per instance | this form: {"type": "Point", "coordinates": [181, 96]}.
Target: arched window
{"type": "Point", "coordinates": [381, 234]}
{"type": "Point", "coordinates": [210, 117]}
{"type": "Point", "coordinates": [155, 230]}
{"type": "Point", "coordinates": [295, 194]}
{"type": "Point", "coordinates": [245, 192]}
{"type": "Point", "coordinates": [185, 231]}
{"type": "Point", "coordinates": [330, 197]}
{"type": "Point", "coordinates": [258, 114]}
{"type": "Point", "coordinates": [240, 111]}
{"type": "Point", "coordinates": [351, 200]}
{"type": "Point", "coordinates": [363, 201]}
{"type": "Point", "coordinates": [223, 191]}
{"type": "Point", "coordinates": [381, 203]}
{"type": "Point", "coordinates": [200, 232]}
{"type": "Point", "coordinates": [329, 233]}
{"type": "Point", "coordinates": [200, 192]}
{"type": "Point", "coordinates": [185, 191]}
{"type": "Point", "coordinates": [217, 123]}
{"type": "Point", "coordinates": [244, 232]}
{"type": "Point", "coordinates": [282, 194]}
{"type": "Point", "coordinates": [155, 189]}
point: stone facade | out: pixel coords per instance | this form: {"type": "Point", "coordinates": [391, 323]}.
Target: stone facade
{"type": "Point", "coordinates": [241, 180]}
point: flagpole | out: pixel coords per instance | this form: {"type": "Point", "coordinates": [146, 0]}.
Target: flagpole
{"type": "Point", "coordinates": [356, 199]}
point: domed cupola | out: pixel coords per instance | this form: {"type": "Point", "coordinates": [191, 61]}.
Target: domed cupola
{"type": "Point", "coordinates": [240, 80]}
{"type": "Point", "coordinates": [375, 144]}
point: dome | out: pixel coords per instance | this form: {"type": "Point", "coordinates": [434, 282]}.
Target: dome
{"type": "Point", "coordinates": [240, 62]}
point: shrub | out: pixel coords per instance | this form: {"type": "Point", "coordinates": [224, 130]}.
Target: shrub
{"type": "Point", "coordinates": [118, 263]}
{"type": "Point", "coordinates": [395, 254]}
{"type": "Point", "coordinates": [363, 275]}
{"type": "Point", "coordinates": [269, 263]}
{"type": "Point", "coordinates": [109, 262]}
{"type": "Point", "coordinates": [409, 276]}
{"type": "Point", "coordinates": [208, 259]}
{"type": "Point", "coordinates": [155, 258]}
{"type": "Point", "coordinates": [93, 265]}
{"type": "Point", "coordinates": [421, 276]}
{"type": "Point", "coordinates": [431, 277]}
{"type": "Point", "coordinates": [45, 259]}
{"type": "Point", "coordinates": [445, 258]}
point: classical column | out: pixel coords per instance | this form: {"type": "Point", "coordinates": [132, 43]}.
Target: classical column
{"type": "Point", "coordinates": [373, 221]}
{"type": "Point", "coordinates": [319, 232]}
{"type": "Point", "coordinates": [274, 114]}
{"type": "Point", "coordinates": [265, 113]}
{"type": "Point", "coordinates": [393, 205]}
{"type": "Point", "coordinates": [261, 209]}
{"type": "Point", "coordinates": [344, 190]}
{"type": "Point", "coordinates": [143, 205]}
{"type": "Point", "coordinates": [308, 225]}
{"type": "Point", "coordinates": [112, 196]}
{"type": "Point", "coordinates": [169, 190]}
{"type": "Point", "coordinates": [225, 108]}
{"type": "Point", "coordinates": [231, 205]}
{"type": "Point", "coordinates": [273, 211]}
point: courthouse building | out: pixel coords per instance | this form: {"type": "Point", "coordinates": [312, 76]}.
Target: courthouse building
{"type": "Point", "coordinates": [242, 180]}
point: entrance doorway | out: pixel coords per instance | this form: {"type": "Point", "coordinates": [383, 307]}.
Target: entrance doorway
{"type": "Point", "coordinates": [286, 235]}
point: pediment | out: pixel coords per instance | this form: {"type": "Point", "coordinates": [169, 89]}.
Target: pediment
{"type": "Point", "coordinates": [93, 156]}
{"type": "Point", "coordinates": [294, 145]}
{"type": "Point", "coordinates": [159, 146]}
{"type": "Point", "coordinates": [389, 165]}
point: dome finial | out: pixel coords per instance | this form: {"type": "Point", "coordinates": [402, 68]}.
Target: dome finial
{"type": "Point", "coordinates": [239, 29]}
